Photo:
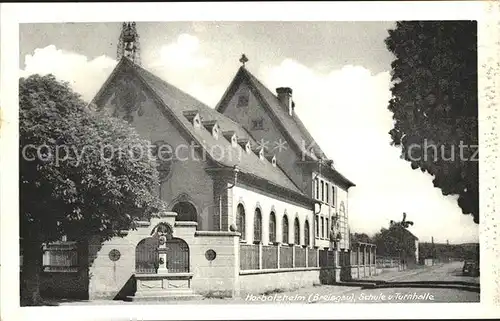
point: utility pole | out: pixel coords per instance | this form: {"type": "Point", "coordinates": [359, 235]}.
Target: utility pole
{"type": "Point", "coordinates": [433, 250]}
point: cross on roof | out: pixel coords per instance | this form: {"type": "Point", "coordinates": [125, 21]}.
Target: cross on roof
{"type": "Point", "coordinates": [243, 59]}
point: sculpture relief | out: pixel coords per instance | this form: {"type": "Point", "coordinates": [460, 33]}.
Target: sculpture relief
{"type": "Point", "coordinates": [128, 98]}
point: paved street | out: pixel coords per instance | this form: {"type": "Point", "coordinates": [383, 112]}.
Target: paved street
{"type": "Point", "coordinates": [450, 273]}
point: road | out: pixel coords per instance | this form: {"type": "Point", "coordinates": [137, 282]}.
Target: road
{"type": "Point", "coordinates": [448, 272]}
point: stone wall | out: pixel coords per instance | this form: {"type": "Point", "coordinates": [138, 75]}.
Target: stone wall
{"type": "Point", "coordinates": [115, 279]}
{"type": "Point", "coordinates": [258, 283]}
{"type": "Point", "coordinates": [217, 277]}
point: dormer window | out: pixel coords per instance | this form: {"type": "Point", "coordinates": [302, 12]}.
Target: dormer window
{"type": "Point", "coordinates": [231, 137]}
{"type": "Point", "coordinates": [197, 121]}
{"type": "Point", "coordinates": [258, 124]}
{"type": "Point", "coordinates": [215, 131]}
{"type": "Point", "coordinates": [212, 126]}
{"type": "Point", "coordinates": [245, 144]}
{"type": "Point", "coordinates": [193, 117]}
{"type": "Point", "coordinates": [259, 152]}
{"type": "Point", "coordinates": [312, 152]}
{"type": "Point", "coordinates": [271, 159]}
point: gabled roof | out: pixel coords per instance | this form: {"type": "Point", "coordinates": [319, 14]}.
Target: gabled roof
{"type": "Point", "coordinates": [291, 125]}
{"type": "Point", "coordinates": [175, 102]}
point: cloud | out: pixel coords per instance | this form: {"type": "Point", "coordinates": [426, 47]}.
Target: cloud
{"type": "Point", "coordinates": [84, 75]}
{"type": "Point", "coordinates": [184, 64]}
{"type": "Point", "coordinates": [346, 111]}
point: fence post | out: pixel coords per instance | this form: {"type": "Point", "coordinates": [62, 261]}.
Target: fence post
{"type": "Point", "coordinates": [279, 254]}
{"type": "Point", "coordinates": [358, 261]}
{"type": "Point", "coordinates": [307, 255]}
{"type": "Point", "coordinates": [260, 255]}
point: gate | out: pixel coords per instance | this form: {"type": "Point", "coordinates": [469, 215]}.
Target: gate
{"type": "Point", "coordinates": [177, 256]}
{"type": "Point", "coordinates": [146, 256]}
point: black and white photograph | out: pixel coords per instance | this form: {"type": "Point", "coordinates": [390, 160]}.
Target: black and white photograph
{"type": "Point", "coordinates": [224, 162]}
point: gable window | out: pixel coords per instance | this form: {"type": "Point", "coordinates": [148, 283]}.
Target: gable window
{"type": "Point", "coordinates": [285, 229]}
{"type": "Point", "coordinates": [240, 220]}
{"type": "Point", "coordinates": [333, 196]}
{"type": "Point", "coordinates": [258, 124]}
{"type": "Point", "coordinates": [296, 232]}
{"type": "Point", "coordinates": [316, 186]}
{"type": "Point", "coordinates": [317, 225]}
{"type": "Point", "coordinates": [242, 100]}
{"type": "Point", "coordinates": [257, 226]}
{"type": "Point", "coordinates": [327, 190]}
{"type": "Point", "coordinates": [272, 227]}
{"type": "Point", "coordinates": [322, 191]}
{"type": "Point", "coordinates": [306, 233]}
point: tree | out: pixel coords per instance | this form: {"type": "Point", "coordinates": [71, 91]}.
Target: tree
{"type": "Point", "coordinates": [81, 173]}
{"type": "Point", "coordinates": [360, 237]}
{"type": "Point", "coordinates": [396, 240]}
{"type": "Point", "coordinates": [434, 104]}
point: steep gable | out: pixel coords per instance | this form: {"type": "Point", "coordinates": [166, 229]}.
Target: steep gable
{"type": "Point", "coordinates": [175, 104]}
{"type": "Point", "coordinates": [290, 126]}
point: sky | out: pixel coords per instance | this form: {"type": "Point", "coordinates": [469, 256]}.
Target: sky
{"type": "Point", "coordinates": [340, 76]}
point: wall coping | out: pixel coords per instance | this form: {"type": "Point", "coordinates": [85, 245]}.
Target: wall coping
{"type": "Point", "coordinates": [164, 214]}
{"type": "Point", "coordinates": [187, 275]}
{"type": "Point", "coordinates": [185, 223]}
{"type": "Point", "coordinates": [143, 223]}
{"type": "Point", "coordinates": [266, 271]}
{"type": "Point", "coordinates": [216, 233]}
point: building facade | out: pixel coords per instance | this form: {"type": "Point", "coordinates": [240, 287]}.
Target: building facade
{"type": "Point", "coordinates": [252, 203]}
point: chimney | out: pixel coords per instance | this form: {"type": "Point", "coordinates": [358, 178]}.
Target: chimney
{"type": "Point", "coordinates": [285, 97]}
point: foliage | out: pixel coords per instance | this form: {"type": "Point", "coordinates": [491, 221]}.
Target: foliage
{"type": "Point", "coordinates": [434, 103]}
{"type": "Point", "coordinates": [396, 240]}
{"type": "Point", "coordinates": [442, 251]}
{"type": "Point", "coordinates": [360, 237]}
{"type": "Point", "coordinates": [98, 183]}
{"type": "Point", "coordinates": [81, 173]}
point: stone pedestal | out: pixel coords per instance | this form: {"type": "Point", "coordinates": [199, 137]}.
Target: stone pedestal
{"type": "Point", "coordinates": [160, 287]}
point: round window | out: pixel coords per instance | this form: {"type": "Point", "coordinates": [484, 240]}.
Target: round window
{"type": "Point", "coordinates": [114, 255]}
{"type": "Point", "coordinates": [210, 255]}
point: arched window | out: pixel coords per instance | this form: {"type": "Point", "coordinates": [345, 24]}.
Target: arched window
{"type": "Point", "coordinates": [272, 227]}
{"type": "Point", "coordinates": [257, 226]}
{"type": "Point", "coordinates": [240, 220]}
{"type": "Point", "coordinates": [285, 230]}
{"type": "Point", "coordinates": [306, 234]}
{"type": "Point", "coordinates": [186, 212]}
{"type": "Point", "coordinates": [296, 233]}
